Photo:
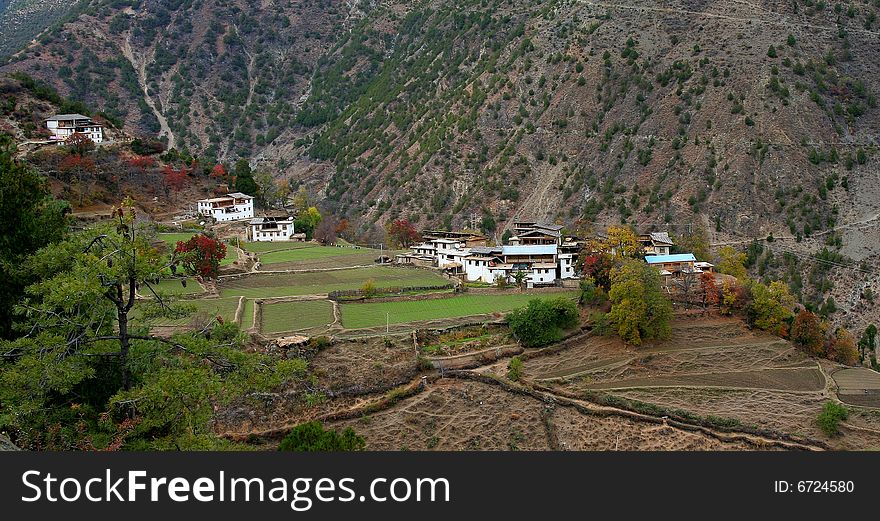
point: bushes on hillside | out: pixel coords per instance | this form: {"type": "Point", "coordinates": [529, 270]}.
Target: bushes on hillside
{"type": "Point", "coordinates": [542, 321]}
{"type": "Point", "coordinates": [829, 419]}
{"type": "Point", "coordinates": [312, 437]}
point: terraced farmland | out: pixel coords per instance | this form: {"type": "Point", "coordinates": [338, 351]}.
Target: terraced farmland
{"type": "Point", "coordinates": [369, 314]}
{"type": "Point", "coordinates": [267, 285]}
{"type": "Point", "coordinates": [301, 315]}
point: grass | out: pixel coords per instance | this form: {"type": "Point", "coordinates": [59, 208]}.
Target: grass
{"type": "Point", "coordinates": [173, 287]}
{"type": "Point", "coordinates": [363, 315]}
{"type": "Point", "coordinates": [224, 307]}
{"type": "Point", "coordinates": [293, 316]}
{"type": "Point", "coordinates": [261, 247]}
{"type": "Point", "coordinates": [314, 283]}
{"type": "Point", "coordinates": [247, 314]}
{"type": "Point", "coordinates": [312, 253]}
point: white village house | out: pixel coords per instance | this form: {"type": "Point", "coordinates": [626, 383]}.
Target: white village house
{"type": "Point", "coordinates": [271, 229]}
{"type": "Point", "coordinates": [63, 126]}
{"type": "Point", "coordinates": [539, 252]}
{"type": "Point", "coordinates": [232, 207]}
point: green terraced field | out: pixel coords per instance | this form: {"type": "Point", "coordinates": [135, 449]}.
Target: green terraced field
{"type": "Point", "coordinates": [260, 247]}
{"type": "Point", "coordinates": [224, 307]}
{"type": "Point", "coordinates": [362, 315]}
{"type": "Point", "coordinates": [315, 252]}
{"type": "Point", "coordinates": [294, 316]}
{"type": "Point", "coordinates": [174, 287]}
{"type": "Point", "coordinates": [265, 285]}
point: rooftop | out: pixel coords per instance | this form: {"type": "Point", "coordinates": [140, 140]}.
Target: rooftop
{"type": "Point", "coordinates": [661, 259]}
{"type": "Point", "coordinates": [538, 249]}
{"type": "Point", "coordinates": [67, 117]}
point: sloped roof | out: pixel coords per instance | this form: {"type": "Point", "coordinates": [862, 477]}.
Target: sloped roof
{"type": "Point", "coordinates": [679, 257]}
{"type": "Point", "coordinates": [486, 250]}
{"type": "Point", "coordinates": [239, 195]}
{"type": "Point", "coordinates": [661, 237]}
{"type": "Point", "coordinates": [67, 117]}
{"type": "Point", "coordinates": [537, 249]}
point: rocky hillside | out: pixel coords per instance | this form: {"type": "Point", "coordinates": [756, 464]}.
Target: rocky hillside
{"type": "Point", "coordinates": [746, 118]}
{"type": "Point", "coordinates": [750, 117]}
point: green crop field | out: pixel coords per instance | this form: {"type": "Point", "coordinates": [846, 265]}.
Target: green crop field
{"type": "Point", "coordinates": [173, 287]}
{"type": "Point", "coordinates": [294, 316]}
{"type": "Point", "coordinates": [314, 252]}
{"type": "Point", "coordinates": [265, 285]}
{"type": "Point", "coordinates": [247, 314]}
{"type": "Point", "coordinates": [224, 307]}
{"type": "Point", "coordinates": [260, 247]}
{"type": "Point", "coordinates": [362, 315]}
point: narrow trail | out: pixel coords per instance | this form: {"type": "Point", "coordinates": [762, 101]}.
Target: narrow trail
{"type": "Point", "coordinates": [140, 67]}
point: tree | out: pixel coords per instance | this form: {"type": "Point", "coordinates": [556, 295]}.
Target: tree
{"type": "Point", "coordinates": [312, 437]}
{"type": "Point", "coordinates": [842, 347]}
{"type": "Point", "coordinates": [730, 297]}
{"type": "Point", "coordinates": [695, 241]}
{"type": "Point", "coordinates": [505, 237]}
{"type": "Point", "coordinates": [369, 289]}
{"type": "Point", "coordinates": [829, 419]}
{"type": "Point", "coordinates": [639, 310]}
{"type": "Point", "coordinates": [620, 241]}
{"type": "Point", "coordinates": [542, 321]}
{"type": "Point", "coordinates": [519, 278]}
{"type": "Point", "coordinates": [770, 308]}
{"type": "Point", "coordinates": [30, 218]}
{"type": "Point", "coordinates": [201, 255]}
{"type": "Point", "coordinates": [268, 190]}
{"type": "Point", "coordinates": [89, 375]}
{"type": "Point", "coordinates": [868, 341]}
{"type": "Point", "coordinates": [326, 231]}
{"type": "Point", "coordinates": [596, 267]}
{"type": "Point", "coordinates": [589, 294]}
{"type": "Point", "coordinates": [401, 233]}
{"type": "Point", "coordinates": [174, 179]}
{"type": "Point", "coordinates": [79, 144]}
{"type": "Point", "coordinates": [244, 178]}
{"type": "Point", "coordinates": [732, 262]}
{"type": "Point", "coordinates": [808, 333]}
{"type": "Point", "coordinates": [307, 221]}
{"type": "Point", "coordinates": [710, 289]}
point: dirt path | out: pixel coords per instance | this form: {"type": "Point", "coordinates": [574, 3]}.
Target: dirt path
{"type": "Point", "coordinates": [140, 66]}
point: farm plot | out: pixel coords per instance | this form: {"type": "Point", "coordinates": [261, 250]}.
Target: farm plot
{"type": "Point", "coordinates": [263, 247]}
{"type": "Point", "coordinates": [466, 415]}
{"type": "Point", "coordinates": [317, 257]}
{"type": "Point", "coordinates": [858, 386]}
{"type": "Point", "coordinates": [369, 365]}
{"type": "Point", "coordinates": [174, 287]}
{"type": "Point", "coordinates": [298, 315]}
{"type": "Point", "coordinates": [365, 315]}
{"type": "Point", "coordinates": [222, 307]}
{"type": "Point", "coordinates": [266, 285]}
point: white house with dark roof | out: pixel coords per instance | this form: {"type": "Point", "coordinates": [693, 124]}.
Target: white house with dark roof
{"type": "Point", "coordinates": [62, 126]}
{"type": "Point", "coordinates": [232, 207]}
{"type": "Point", "coordinates": [271, 229]}
{"type": "Point", "coordinates": [656, 243]}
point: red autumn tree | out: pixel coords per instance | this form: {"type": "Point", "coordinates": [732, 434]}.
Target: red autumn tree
{"type": "Point", "coordinates": [341, 226]}
{"type": "Point", "coordinates": [597, 266]}
{"type": "Point", "coordinates": [710, 289]}
{"type": "Point", "coordinates": [806, 333]}
{"type": "Point", "coordinates": [325, 231]}
{"type": "Point", "coordinates": [141, 162]}
{"type": "Point", "coordinates": [401, 233]}
{"type": "Point", "coordinates": [201, 255]}
{"type": "Point", "coordinates": [218, 172]}
{"type": "Point", "coordinates": [174, 179]}
{"type": "Point", "coordinates": [79, 144]}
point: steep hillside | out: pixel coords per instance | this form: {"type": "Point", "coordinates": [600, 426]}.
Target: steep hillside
{"type": "Point", "coordinates": [23, 20]}
{"type": "Point", "coordinates": [755, 117]}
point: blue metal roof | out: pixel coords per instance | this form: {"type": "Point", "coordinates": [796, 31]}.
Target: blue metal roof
{"type": "Point", "coordinates": [536, 249]}
{"type": "Point", "coordinates": [661, 259]}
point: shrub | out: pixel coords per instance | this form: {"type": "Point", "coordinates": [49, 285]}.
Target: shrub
{"type": "Point", "coordinates": [541, 322]}
{"type": "Point", "coordinates": [369, 289]}
{"type": "Point", "coordinates": [312, 437]}
{"type": "Point", "coordinates": [514, 368]}
{"type": "Point", "coordinates": [830, 417]}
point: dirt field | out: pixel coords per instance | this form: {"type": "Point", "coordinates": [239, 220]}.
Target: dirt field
{"type": "Point", "coordinates": [858, 386]}
{"type": "Point", "coordinates": [464, 415]}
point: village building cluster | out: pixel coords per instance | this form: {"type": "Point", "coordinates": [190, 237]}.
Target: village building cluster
{"type": "Point", "coordinates": [538, 254]}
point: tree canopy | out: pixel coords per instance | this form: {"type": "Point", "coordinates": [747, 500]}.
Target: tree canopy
{"type": "Point", "coordinates": [542, 321]}
{"type": "Point", "coordinates": [639, 309]}
{"type": "Point", "coordinates": [312, 437]}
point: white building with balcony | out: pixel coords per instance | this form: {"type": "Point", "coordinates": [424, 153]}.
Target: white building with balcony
{"type": "Point", "coordinates": [232, 207]}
